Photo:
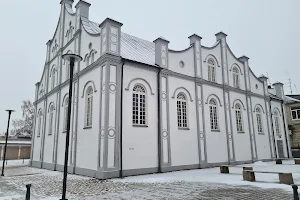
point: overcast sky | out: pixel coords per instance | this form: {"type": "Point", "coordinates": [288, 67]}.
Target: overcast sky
{"type": "Point", "coordinates": [267, 31]}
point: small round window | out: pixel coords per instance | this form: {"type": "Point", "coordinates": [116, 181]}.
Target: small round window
{"type": "Point", "coordinates": [181, 64]}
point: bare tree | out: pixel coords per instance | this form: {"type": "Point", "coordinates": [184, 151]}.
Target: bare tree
{"type": "Point", "coordinates": [25, 125]}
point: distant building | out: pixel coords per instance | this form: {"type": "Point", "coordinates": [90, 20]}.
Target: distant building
{"type": "Point", "coordinates": [140, 107]}
{"type": "Point", "coordinates": [17, 148]}
{"type": "Point", "coordinates": [293, 119]}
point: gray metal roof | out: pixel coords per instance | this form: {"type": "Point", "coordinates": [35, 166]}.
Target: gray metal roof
{"type": "Point", "coordinates": [132, 48]}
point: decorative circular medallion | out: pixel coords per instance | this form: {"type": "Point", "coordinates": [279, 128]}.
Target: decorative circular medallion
{"type": "Point", "coordinates": [113, 38]}
{"type": "Point", "coordinates": [165, 134]}
{"type": "Point", "coordinates": [164, 95]}
{"type": "Point", "coordinates": [181, 64]}
{"type": "Point", "coordinates": [111, 132]}
{"type": "Point", "coordinates": [201, 135]}
{"type": "Point", "coordinates": [112, 87]}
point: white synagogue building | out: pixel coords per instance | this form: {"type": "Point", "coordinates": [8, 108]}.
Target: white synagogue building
{"type": "Point", "coordinates": [139, 107]}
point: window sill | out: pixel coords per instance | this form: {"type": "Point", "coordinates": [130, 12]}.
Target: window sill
{"type": "Point", "coordinates": [183, 128]}
{"type": "Point", "coordinates": [215, 131]}
{"type": "Point", "coordinates": [241, 132]}
{"type": "Point", "coordinates": [140, 125]}
{"type": "Point", "coordinates": [64, 132]}
{"type": "Point", "coordinates": [260, 133]}
{"type": "Point", "coordinates": [50, 134]}
{"type": "Point", "coordinates": [87, 127]}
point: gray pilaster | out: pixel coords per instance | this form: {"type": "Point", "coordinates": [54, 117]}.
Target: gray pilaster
{"type": "Point", "coordinates": [230, 133]}
{"type": "Point", "coordinates": [196, 41]}
{"type": "Point", "coordinates": [252, 136]}
{"type": "Point", "coordinates": [222, 37]}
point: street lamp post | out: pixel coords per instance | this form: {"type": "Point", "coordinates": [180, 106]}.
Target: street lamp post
{"type": "Point", "coordinates": [71, 58]}
{"type": "Point", "coordinates": [6, 137]}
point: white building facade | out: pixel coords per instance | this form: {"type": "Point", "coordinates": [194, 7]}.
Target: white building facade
{"type": "Point", "coordinates": [139, 107]}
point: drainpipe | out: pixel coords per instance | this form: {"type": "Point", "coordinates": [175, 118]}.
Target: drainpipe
{"type": "Point", "coordinates": [158, 119]}
{"type": "Point", "coordinates": [274, 140]}
{"type": "Point", "coordinates": [286, 135]}
{"type": "Point", "coordinates": [121, 124]}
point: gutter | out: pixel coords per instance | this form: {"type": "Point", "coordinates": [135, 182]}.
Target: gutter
{"type": "Point", "coordinates": [158, 120]}
{"type": "Point", "coordinates": [121, 124]}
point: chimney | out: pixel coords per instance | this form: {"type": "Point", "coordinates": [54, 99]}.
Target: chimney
{"type": "Point", "coordinates": [279, 89]}
{"type": "Point", "coordinates": [82, 8]}
{"type": "Point", "coordinates": [161, 52]}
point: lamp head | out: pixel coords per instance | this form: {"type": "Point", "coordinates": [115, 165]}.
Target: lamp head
{"type": "Point", "coordinates": [72, 57]}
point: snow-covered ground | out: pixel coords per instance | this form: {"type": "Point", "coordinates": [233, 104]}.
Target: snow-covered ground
{"type": "Point", "coordinates": [20, 162]}
{"type": "Point", "coordinates": [189, 184]}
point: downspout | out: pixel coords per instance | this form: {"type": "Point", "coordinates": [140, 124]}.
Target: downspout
{"type": "Point", "coordinates": [273, 129]}
{"type": "Point", "coordinates": [158, 119]}
{"type": "Point", "coordinates": [286, 135]}
{"type": "Point", "coordinates": [121, 124]}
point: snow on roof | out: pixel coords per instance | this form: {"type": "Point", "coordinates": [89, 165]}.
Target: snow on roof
{"type": "Point", "coordinates": [132, 48]}
{"type": "Point", "coordinates": [288, 99]}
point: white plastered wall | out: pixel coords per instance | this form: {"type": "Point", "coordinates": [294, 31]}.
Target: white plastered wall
{"type": "Point", "coordinates": [242, 145]}
{"type": "Point", "coordinates": [140, 147]}
{"type": "Point", "coordinates": [184, 143]}
{"type": "Point", "coordinates": [187, 59]}
{"type": "Point", "coordinates": [49, 139]}
{"type": "Point", "coordinates": [207, 53]}
{"type": "Point", "coordinates": [87, 138]}
{"type": "Point", "coordinates": [37, 139]}
{"type": "Point", "coordinates": [262, 140]}
{"type": "Point", "coordinates": [216, 141]}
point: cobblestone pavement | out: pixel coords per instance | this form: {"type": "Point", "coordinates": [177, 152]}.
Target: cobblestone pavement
{"type": "Point", "coordinates": [48, 183]}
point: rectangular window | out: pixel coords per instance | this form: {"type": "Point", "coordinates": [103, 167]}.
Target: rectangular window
{"type": "Point", "coordinates": [181, 114]}
{"type": "Point", "coordinates": [213, 118]}
{"type": "Point", "coordinates": [239, 125]}
{"type": "Point", "coordinates": [139, 109]}
{"type": "Point", "coordinates": [259, 123]}
{"type": "Point", "coordinates": [295, 114]}
{"type": "Point", "coordinates": [277, 125]}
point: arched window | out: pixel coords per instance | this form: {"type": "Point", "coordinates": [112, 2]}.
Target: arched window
{"type": "Point", "coordinates": [87, 60]}
{"type": "Point", "coordinates": [89, 107]}
{"type": "Point", "coordinates": [51, 119]}
{"type": "Point", "coordinates": [66, 105]}
{"type": "Point", "coordinates": [92, 57]}
{"type": "Point", "coordinates": [139, 105]}
{"type": "Point", "coordinates": [211, 70]}
{"type": "Point", "coordinates": [67, 70]}
{"type": "Point", "coordinates": [238, 118]}
{"type": "Point", "coordinates": [181, 111]}
{"type": "Point", "coordinates": [236, 78]}
{"type": "Point", "coordinates": [276, 120]}
{"type": "Point", "coordinates": [40, 116]}
{"type": "Point", "coordinates": [259, 120]}
{"type": "Point", "coordinates": [53, 78]}
{"type": "Point", "coordinates": [213, 110]}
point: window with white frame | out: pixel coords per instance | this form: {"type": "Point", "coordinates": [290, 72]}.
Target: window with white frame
{"type": "Point", "coordinates": [51, 119]}
{"type": "Point", "coordinates": [40, 116]}
{"type": "Point", "coordinates": [236, 78]}
{"type": "Point", "coordinates": [139, 105]}
{"type": "Point", "coordinates": [89, 107]}
{"type": "Point", "coordinates": [211, 70]}
{"type": "Point", "coordinates": [259, 120]}
{"type": "Point", "coordinates": [53, 78]}
{"type": "Point", "coordinates": [213, 110]}
{"type": "Point", "coordinates": [295, 113]}
{"type": "Point", "coordinates": [238, 118]}
{"type": "Point", "coordinates": [276, 120]}
{"type": "Point", "coordinates": [66, 105]}
{"type": "Point", "coordinates": [182, 111]}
